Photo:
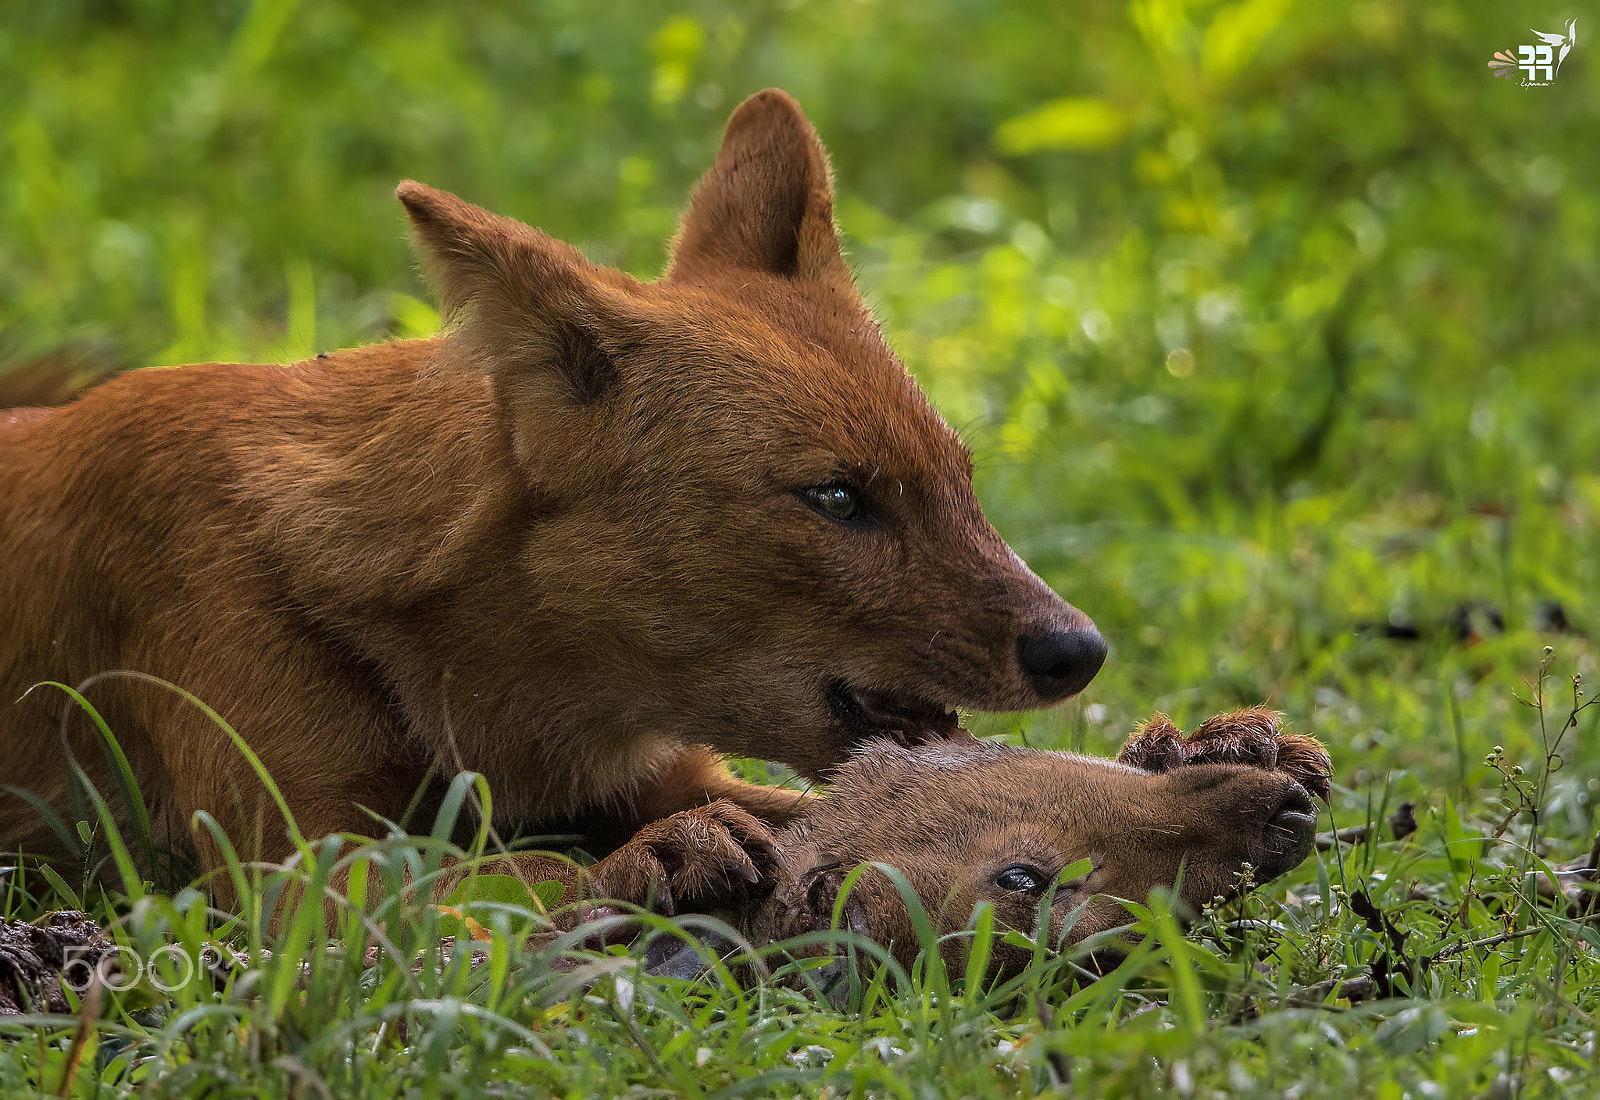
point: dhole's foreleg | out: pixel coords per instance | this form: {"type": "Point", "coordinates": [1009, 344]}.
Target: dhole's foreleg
{"type": "Point", "coordinates": [694, 833]}
{"type": "Point", "coordinates": [709, 855]}
{"type": "Point", "coordinates": [699, 776]}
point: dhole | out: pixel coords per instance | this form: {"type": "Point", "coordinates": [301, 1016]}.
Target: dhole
{"type": "Point", "coordinates": [597, 533]}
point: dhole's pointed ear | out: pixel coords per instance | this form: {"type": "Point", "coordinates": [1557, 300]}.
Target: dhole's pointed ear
{"type": "Point", "coordinates": [546, 322]}
{"type": "Point", "coordinates": [767, 203]}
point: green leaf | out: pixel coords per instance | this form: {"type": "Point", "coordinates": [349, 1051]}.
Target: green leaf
{"type": "Point", "coordinates": [549, 893]}
{"type": "Point", "coordinates": [501, 889]}
{"type": "Point", "coordinates": [982, 945]}
{"type": "Point", "coordinates": [1083, 122]}
{"type": "Point", "coordinates": [1236, 35]}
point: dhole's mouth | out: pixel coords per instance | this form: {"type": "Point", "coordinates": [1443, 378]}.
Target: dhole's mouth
{"type": "Point", "coordinates": [866, 713]}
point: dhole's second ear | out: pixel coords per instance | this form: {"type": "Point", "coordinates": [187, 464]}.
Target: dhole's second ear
{"type": "Point", "coordinates": [545, 321]}
{"type": "Point", "coordinates": [767, 203]}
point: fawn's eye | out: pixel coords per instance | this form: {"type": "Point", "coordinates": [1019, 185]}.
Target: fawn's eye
{"type": "Point", "coordinates": [1022, 878]}
{"type": "Point", "coordinates": [836, 500]}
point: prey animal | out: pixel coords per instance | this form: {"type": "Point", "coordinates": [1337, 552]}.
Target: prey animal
{"type": "Point", "coordinates": [1229, 807]}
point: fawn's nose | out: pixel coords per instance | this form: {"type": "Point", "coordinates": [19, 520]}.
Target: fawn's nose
{"type": "Point", "coordinates": [1288, 836]}
{"type": "Point", "coordinates": [1061, 662]}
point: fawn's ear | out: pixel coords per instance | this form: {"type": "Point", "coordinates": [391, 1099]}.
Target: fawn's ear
{"type": "Point", "coordinates": [767, 203]}
{"type": "Point", "coordinates": [547, 323]}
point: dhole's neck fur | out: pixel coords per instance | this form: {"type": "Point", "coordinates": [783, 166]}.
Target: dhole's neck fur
{"type": "Point", "coordinates": [399, 577]}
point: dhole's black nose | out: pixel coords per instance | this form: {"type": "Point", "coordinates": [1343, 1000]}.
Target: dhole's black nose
{"type": "Point", "coordinates": [1062, 662]}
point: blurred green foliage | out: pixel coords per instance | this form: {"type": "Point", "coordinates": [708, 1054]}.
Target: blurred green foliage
{"type": "Point", "coordinates": [1265, 318]}
{"type": "Point", "coordinates": [1271, 322]}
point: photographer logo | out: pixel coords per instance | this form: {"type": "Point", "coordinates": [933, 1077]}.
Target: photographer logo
{"type": "Point", "coordinates": [1539, 64]}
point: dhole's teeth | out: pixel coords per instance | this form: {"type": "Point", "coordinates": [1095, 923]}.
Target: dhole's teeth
{"type": "Point", "coordinates": [903, 719]}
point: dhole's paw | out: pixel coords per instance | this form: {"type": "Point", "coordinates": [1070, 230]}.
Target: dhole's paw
{"type": "Point", "coordinates": [1248, 737]}
{"type": "Point", "coordinates": [716, 853]}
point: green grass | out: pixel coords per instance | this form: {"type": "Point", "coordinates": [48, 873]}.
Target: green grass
{"type": "Point", "coordinates": [1269, 324]}
{"type": "Point", "coordinates": [1479, 981]}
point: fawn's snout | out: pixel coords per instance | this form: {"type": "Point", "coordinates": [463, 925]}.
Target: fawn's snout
{"type": "Point", "coordinates": [1288, 834]}
{"type": "Point", "coordinates": [1250, 815]}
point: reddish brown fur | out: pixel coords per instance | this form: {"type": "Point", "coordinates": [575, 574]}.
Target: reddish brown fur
{"type": "Point", "coordinates": [560, 545]}
{"type": "Point", "coordinates": [32, 388]}
{"type": "Point", "coordinates": [951, 817]}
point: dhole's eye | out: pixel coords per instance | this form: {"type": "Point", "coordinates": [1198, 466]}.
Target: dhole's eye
{"type": "Point", "coordinates": [1022, 878]}
{"type": "Point", "coordinates": [836, 500]}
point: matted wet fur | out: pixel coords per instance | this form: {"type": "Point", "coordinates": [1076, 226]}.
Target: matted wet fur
{"type": "Point", "coordinates": [1228, 807]}
{"type": "Point", "coordinates": [597, 533]}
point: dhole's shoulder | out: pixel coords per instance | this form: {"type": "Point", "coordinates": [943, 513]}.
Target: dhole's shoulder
{"type": "Point", "coordinates": [15, 418]}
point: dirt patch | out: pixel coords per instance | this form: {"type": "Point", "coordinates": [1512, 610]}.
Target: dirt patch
{"type": "Point", "coordinates": [32, 957]}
